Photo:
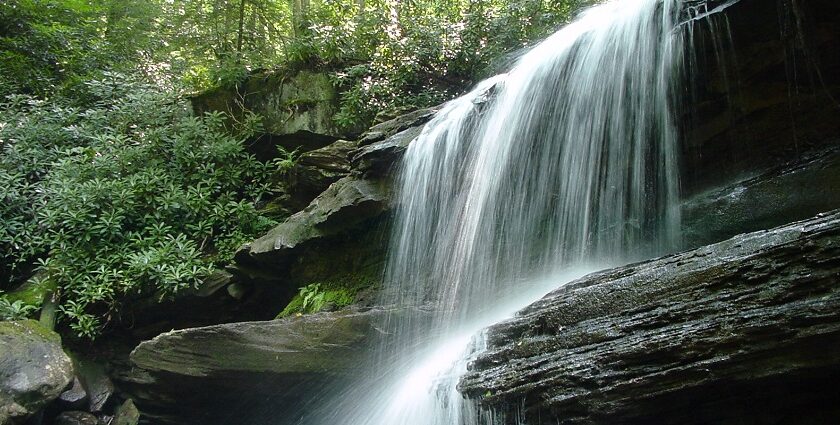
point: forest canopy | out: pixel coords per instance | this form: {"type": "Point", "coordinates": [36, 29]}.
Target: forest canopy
{"type": "Point", "coordinates": [382, 52]}
{"type": "Point", "coordinates": [111, 188]}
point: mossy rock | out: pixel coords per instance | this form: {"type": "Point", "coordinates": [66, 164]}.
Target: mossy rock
{"type": "Point", "coordinates": [32, 292]}
{"type": "Point", "coordinates": [34, 370]}
{"type": "Point", "coordinates": [316, 297]}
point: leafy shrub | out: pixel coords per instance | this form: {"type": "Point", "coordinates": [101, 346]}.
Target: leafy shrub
{"type": "Point", "coordinates": [15, 310]}
{"type": "Point", "coordinates": [130, 196]}
{"type": "Point", "coordinates": [285, 160]}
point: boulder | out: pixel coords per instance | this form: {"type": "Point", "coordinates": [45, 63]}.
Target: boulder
{"type": "Point", "coordinates": [344, 205]}
{"type": "Point", "coordinates": [297, 109]}
{"type": "Point", "coordinates": [75, 418]}
{"type": "Point", "coordinates": [746, 328]}
{"type": "Point", "coordinates": [34, 370]}
{"type": "Point", "coordinates": [242, 372]}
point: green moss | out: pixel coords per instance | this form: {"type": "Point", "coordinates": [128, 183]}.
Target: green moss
{"type": "Point", "coordinates": [32, 292]}
{"type": "Point", "coordinates": [294, 306]}
{"type": "Point", "coordinates": [314, 297]}
{"type": "Point", "coordinates": [11, 329]}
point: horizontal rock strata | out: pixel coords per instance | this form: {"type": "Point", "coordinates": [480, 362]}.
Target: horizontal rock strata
{"type": "Point", "coordinates": [251, 372]}
{"type": "Point", "coordinates": [746, 328]}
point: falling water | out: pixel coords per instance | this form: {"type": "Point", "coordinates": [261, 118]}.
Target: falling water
{"type": "Point", "coordinates": [565, 163]}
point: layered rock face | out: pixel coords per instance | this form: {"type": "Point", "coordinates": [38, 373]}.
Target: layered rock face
{"type": "Point", "coordinates": [296, 109]}
{"type": "Point", "coordinates": [254, 372]}
{"type": "Point", "coordinates": [342, 234]}
{"type": "Point", "coordinates": [744, 331]}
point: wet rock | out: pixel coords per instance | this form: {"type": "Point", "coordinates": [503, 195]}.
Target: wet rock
{"type": "Point", "coordinates": [34, 370]}
{"type": "Point", "coordinates": [746, 328]}
{"type": "Point", "coordinates": [243, 372]}
{"type": "Point", "coordinates": [75, 418]}
{"type": "Point", "coordinates": [75, 397]}
{"type": "Point", "coordinates": [789, 193]}
{"type": "Point", "coordinates": [399, 124]}
{"type": "Point", "coordinates": [765, 93]}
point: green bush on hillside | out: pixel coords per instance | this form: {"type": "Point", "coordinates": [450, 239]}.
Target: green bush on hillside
{"type": "Point", "coordinates": [130, 196]}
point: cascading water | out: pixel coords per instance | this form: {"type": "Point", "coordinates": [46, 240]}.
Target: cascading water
{"type": "Point", "coordinates": [567, 161]}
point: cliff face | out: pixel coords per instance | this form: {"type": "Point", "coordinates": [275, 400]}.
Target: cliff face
{"type": "Point", "coordinates": [765, 83]}
{"type": "Point", "coordinates": [743, 331]}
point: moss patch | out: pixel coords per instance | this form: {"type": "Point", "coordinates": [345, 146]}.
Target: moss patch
{"type": "Point", "coordinates": [315, 297]}
{"type": "Point", "coordinates": [32, 292]}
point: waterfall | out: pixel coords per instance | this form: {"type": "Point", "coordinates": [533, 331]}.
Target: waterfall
{"type": "Point", "coordinates": [566, 163]}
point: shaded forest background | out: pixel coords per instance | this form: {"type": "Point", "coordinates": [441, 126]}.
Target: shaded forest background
{"type": "Point", "coordinates": [112, 188]}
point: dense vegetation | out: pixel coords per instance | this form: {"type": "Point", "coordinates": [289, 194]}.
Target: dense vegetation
{"type": "Point", "coordinates": [110, 187]}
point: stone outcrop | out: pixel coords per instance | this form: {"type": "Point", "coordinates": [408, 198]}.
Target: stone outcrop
{"type": "Point", "coordinates": [746, 328]}
{"type": "Point", "coordinates": [34, 370]}
{"type": "Point", "coordinates": [297, 109]}
{"type": "Point", "coordinates": [345, 204]}
{"type": "Point", "coordinates": [399, 124]}
{"type": "Point", "coordinates": [233, 370]}
{"type": "Point", "coordinates": [312, 173]}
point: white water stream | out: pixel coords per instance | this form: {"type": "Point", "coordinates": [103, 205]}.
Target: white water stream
{"type": "Point", "coordinates": [566, 163]}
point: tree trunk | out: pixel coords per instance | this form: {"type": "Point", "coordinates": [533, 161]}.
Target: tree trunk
{"type": "Point", "coordinates": [241, 31]}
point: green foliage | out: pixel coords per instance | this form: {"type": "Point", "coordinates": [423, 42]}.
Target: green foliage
{"type": "Point", "coordinates": [286, 160]}
{"type": "Point", "coordinates": [15, 310]}
{"type": "Point", "coordinates": [131, 196]}
{"type": "Point", "coordinates": [314, 297]}
{"type": "Point", "coordinates": [50, 44]}
{"type": "Point", "coordinates": [386, 55]}
{"type": "Point", "coordinates": [394, 56]}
